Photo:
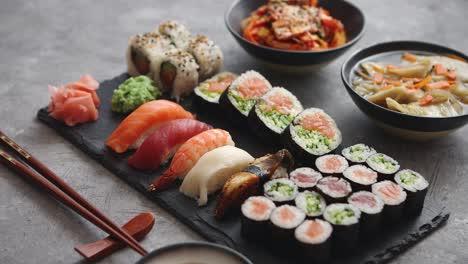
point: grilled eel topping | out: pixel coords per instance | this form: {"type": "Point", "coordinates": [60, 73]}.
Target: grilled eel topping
{"type": "Point", "coordinates": [242, 185]}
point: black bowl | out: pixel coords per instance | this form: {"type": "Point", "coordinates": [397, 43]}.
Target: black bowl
{"type": "Point", "coordinates": [153, 256]}
{"type": "Point", "coordinates": [403, 125]}
{"type": "Point", "coordinates": [350, 15]}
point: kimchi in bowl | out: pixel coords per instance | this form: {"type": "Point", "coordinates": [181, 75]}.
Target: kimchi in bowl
{"type": "Point", "coordinates": [295, 43]}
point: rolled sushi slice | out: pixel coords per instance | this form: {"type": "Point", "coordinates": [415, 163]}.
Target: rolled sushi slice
{"type": "Point", "coordinates": [305, 178]}
{"type": "Point", "coordinates": [283, 221]}
{"type": "Point", "coordinates": [394, 198]}
{"type": "Point", "coordinates": [144, 51]}
{"type": "Point", "coordinates": [360, 177]}
{"type": "Point", "coordinates": [314, 240]}
{"type": "Point", "coordinates": [256, 211]}
{"type": "Point", "coordinates": [371, 207]}
{"type": "Point", "coordinates": [177, 73]}
{"type": "Point", "coordinates": [416, 188]}
{"type": "Point", "coordinates": [312, 203]}
{"type": "Point", "coordinates": [208, 92]}
{"type": "Point", "coordinates": [385, 165]}
{"type": "Point", "coordinates": [281, 190]}
{"type": "Point", "coordinates": [334, 189]}
{"type": "Point", "coordinates": [357, 153]}
{"type": "Point", "coordinates": [242, 95]}
{"type": "Point", "coordinates": [273, 113]}
{"type": "Point", "coordinates": [207, 54]}
{"type": "Point", "coordinates": [331, 164]}
{"type": "Point", "coordinates": [312, 133]}
{"type": "Point", "coordinates": [345, 221]}
{"type": "Point", "coordinates": [176, 31]}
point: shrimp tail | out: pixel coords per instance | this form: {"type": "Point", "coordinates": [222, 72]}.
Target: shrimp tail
{"type": "Point", "coordinates": [163, 182]}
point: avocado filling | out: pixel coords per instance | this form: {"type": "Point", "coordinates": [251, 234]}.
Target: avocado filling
{"type": "Point", "coordinates": [284, 189]}
{"type": "Point", "coordinates": [244, 105]}
{"type": "Point", "coordinates": [384, 162]}
{"type": "Point", "coordinates": [340, 215]}
{"type": "Point", "coordinates": [275, 118]}
{"type": "Point", "coordinates": [314, 204]}
{"type": "Point", "coordinates": [314, 140]}
{"type": "Point", "coordinates": [168, 75]}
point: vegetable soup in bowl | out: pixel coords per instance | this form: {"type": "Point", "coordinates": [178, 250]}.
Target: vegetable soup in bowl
{"type": "Point", "coordinates": [415, 90]}
{"type": "Point", "coordinates": [295, 35]}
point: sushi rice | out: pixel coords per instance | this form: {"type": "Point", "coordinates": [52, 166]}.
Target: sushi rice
{"type": "Point", "coordinates": [358, 153]}
{"type": "Point", "coordinates": [207, 54]}
{"type": "Point", "coordinates": [176, 31]}
{"type": "Point", "coordinates": [242, 104]}
{"type": "Point", "coordinates": [275, 116]}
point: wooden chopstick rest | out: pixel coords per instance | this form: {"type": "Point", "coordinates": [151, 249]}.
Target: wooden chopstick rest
{"type": "Point", "coordinates": [137, 227]}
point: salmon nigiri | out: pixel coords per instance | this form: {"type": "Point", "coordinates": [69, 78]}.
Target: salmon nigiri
{"type": "Point", "coordinates": [162, 144]}
{"type": "Point", "coordinates": [143, 122]}
{"type": "Point", "coordinates": [188, 155]}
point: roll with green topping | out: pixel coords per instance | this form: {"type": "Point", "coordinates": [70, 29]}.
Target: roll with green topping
{"type": "Point", "coordinates": [134, 92]}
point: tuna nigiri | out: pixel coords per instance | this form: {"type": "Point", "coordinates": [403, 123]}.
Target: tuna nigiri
{"type": "Point", "coordinates": [162, 144]}
{"type": "Point", "coordinates": [212, 171]}
{"type": "Point", "coordinates": [188, 155]}
{"type": "Point", "coordinates": [143, 122]}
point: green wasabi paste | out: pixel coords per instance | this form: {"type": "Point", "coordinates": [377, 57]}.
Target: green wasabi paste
{"type": "Point", "coordinates": [134, 92]}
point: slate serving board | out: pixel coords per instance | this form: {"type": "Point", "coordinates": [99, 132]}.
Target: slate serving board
{"type": "Point", "coordinates": [91, 137]}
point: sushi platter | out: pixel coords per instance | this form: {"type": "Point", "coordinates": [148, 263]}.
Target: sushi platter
{"type": "Point", "coordinates": [254, 165]}
{"type": "Point", "coordinates": [90, 138]}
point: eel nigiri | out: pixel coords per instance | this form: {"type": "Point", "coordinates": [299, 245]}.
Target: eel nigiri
{"type": "Point", "coordinates": [162, 144]}
{"type": "Point", "coordinates": [143, 122]}
{"type": "Point", "coordinates": [188, 155]}
{"type": "Point", "coordinates": [212, 171]}
{"type": "Point", "coordinates": [242, 185]}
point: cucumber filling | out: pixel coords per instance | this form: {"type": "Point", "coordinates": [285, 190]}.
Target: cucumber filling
{"type": "Point", "coordinates": [314, 140]}
{"type": "Point", "coordinates": [244, 105]}
{"type": "Point", "coordinates": [284, 189]}
{"type": "Point", "coordinates": [314, 204]}
{"type": "Point", "coordinates": [339, 216]}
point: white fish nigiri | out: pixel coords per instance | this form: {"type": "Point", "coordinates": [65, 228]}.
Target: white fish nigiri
{"type": "Point", "coordinates": [212, 170]}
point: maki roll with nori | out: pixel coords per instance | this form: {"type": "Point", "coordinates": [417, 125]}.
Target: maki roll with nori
{"type": "Point", "coordinates": [273, 113]}
{"type": "Point", "coordinates": [345, 221]}
{"type": "Point", "coordinates": [357, 153]}
{"type": "Point", "coordinates": [331, 164]}
{"type": "Point", "coordinates": [280, 191]}
{"type": "Point", "coordinates": [256, 211]}
{"type": "Point", "coordinates": [360, 177]}
{"type": "Point", "coordinates": [240, 97]}
{"type": "Point", "coordinates": [416, 188]}
{"type": "Point", "coordinates": [145, 52]}
{"type": "Point", "coordinates": [208, 92]}
{"type": "Point", "coordinates": [305, 178]}
{"type": "Point", "coordinates": [207, 54]}
{"type": "Point", "coordinates": [371, 207]}
{"type": "Point", "coordinates": [312, 203]}
{"type": "Point", "coordinates": [334, 189]}
{"type": "Point", "coordinates": [314, 240]}
{"type": "Point", "coordinates": [394, 198]}
{"type": "Point", "coordinates": [176, 32]}
{"type": "Point", "coordinates": [283, 221]}
{"type": "Point", "coordinates": [177, 73]}
{"type": "Point", "coordinates": [312, 133]}
{"type": "Point", "coordinates": [385, 165]}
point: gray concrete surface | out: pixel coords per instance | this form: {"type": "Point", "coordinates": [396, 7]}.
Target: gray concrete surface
{"type": "Point", "coordinates": [52, 41]}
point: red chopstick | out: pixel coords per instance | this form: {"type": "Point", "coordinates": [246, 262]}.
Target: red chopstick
{"type": "Point", "coordinates": [63, 192]}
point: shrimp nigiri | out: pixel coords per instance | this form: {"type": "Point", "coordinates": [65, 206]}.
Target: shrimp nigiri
{"type": "Point", "coordinates": [188, 155]}
{"type": "Point", "coordinates": [162, 144]}
{"type": "Point", "coordinates": [143, 122]}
